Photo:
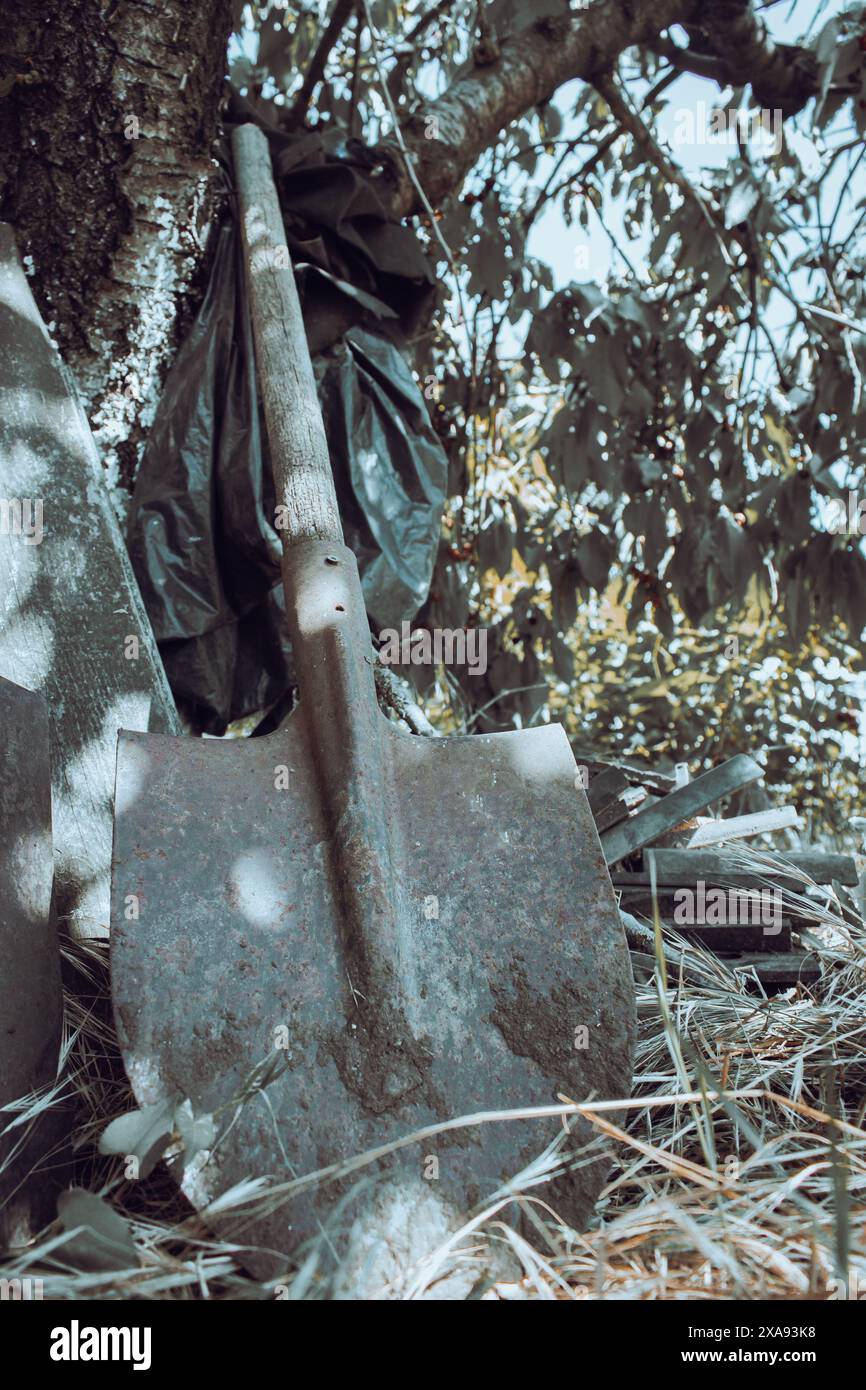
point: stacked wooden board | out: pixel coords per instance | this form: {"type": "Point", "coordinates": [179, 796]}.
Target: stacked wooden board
{"type": "Point", "coordinates": [746, 916]}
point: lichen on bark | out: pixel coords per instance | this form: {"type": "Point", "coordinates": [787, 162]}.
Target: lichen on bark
{"type": "Point", "coordinates": [107, 120]}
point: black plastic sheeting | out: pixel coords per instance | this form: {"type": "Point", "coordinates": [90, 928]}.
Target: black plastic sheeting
{"type": "Point", "coordinates": [201, 538]}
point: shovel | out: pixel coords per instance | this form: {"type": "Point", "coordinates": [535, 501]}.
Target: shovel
{"type": "Point", "coordinates": [31, 1006]}
{"type": "Point", "coordinates": [392, 931]}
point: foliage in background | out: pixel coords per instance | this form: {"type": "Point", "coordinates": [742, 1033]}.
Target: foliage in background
{"type": "Point", "coordinates": [641, 462]}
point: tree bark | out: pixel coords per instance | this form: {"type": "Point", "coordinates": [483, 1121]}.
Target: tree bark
{"type": "Point", "coordinates": [107, 119]}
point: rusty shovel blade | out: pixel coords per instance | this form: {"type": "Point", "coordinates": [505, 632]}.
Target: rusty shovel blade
{"type": "Point", "coordinates": [418, 929]}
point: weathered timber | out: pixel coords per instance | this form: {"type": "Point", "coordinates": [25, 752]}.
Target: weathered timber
{"type": "Point", "coordinates": [781, 971]}
{"type": "Point", "coordinates": [672, 810]}
{"type": "Point", "coordinates": [744, 827]}
{"type": "Point", "coordinates": [660, 783]}
{"type": "Point", "coordinates": [685, 867]}
{"type": "Point", "coordinates": [615, 811]}
{"type": "Point", "coordinates": [604, 787]}
{"type": "Point", "coordinates": [747, 935]}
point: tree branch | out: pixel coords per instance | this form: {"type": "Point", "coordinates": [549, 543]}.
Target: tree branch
{"type": "Point", "coordinates": [552, 189]}
{"type": "Point", "coordinates": [438, 11]}
{"type": "Point", "coordinates": [397, 694]}
{"type": "Point", "coordinates": [782, 76]}
{"type": "Point", "coordinates": [629, 120]}
{"type": "Point", "coordinates": [701, 64]}
{"type": "Point", "coordinates": [339, 17]}
{"type": "Point", "coordinates": [446, 138]}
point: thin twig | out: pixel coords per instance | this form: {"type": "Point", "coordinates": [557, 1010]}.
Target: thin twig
{"type": "Point", "coordinates": [409, 163]}
{"type": "Point", "coordinates": [356, 64]}
{"type": "Point", "coordinates": [339, 16]}
{"type": "Point", "coordinates": [438, 12]}
{"type": "Point", "coordinates": [629, 119]}
{"type": "Point", "coordinates": [395, 694]}
{"type": "Point", "coordinates": [601, 149]}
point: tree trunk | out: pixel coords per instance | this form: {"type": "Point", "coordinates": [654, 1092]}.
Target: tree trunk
{"type": "Point", "coordinates": [107, 119]}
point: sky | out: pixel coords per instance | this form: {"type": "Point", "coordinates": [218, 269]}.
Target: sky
{"type": "Point", "coordinates": [556, 243]}
{"type": "Point", "coordinates": [577, 255]}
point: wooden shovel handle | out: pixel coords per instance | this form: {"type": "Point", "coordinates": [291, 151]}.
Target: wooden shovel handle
{"type": "Point", "coordinates": [296, 434]}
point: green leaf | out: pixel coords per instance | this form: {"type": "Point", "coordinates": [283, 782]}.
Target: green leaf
{"type": "Point", "coordinates": [854, 593]}
{"type": "Point", "coordinates": [731, 548]}
{"type": "Point", "coordinates": [660, 241]}
{"type": "Point", "coordinates": [496, 543]}
{"type": "Point", "coordinates": [144, 1134]}
{"type": "Point", "coordinates": [603, 367]}
{"type": "Point", "coordinates": [563, 658]}
{"type": "Point", "coordinates": [551, 120]}
{"type": "Point", "coordinates": [798, 608]}
{"type": "Point", "coordinates": [549, 337]}
{"type": "Point", "coordinates": [655, 534]}
{"type": "Point", "coordinates": [196, 1132]}
{"type": "Point", "coordinates": [595, 557]}
{"type": "Point", "coordinates": [564, 589]}
{"type": "Point", "coordinates": [740, 201]}
{"type": "Point", "coordinates": [103, 1240]}
{"type": "Point", "coordinates": [488, 262]}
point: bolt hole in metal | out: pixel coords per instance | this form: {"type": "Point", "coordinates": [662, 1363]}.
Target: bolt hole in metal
{"type": "Point", "coordinates": [332, 560]}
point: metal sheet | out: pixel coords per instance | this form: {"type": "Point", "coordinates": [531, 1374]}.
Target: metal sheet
{"type": "Point", "coordinates": [72, 625]}
{"type": "Point", "coordinates": [30, 996]}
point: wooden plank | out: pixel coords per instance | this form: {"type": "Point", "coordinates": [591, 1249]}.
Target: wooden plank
{"type": "Point", "coordinates": [639, 900]}
{"type": "Point", "coordinates": [639, 881]}
{"type": "Point", "coordinates": [72, 624]}
{"type": "Point", "coordinates": [659, 783]}
{"type": "Point", "coordinates": [782, 971]}
{"type": "Point", "coordinates": [610, 816]}
{"type": "Point", "coordinates": [605, 787]}
{"type": "Point", "coordinates": [612, 797]}
{"type": "Point", "coordinates": [615, 811]}
{"type": "Point", "coordinates": [752, 935]}
{"type": "Point", "coordinates": [713, 832]}
{"type": "Point", "coordinates": [685, 867]}
{"type": "Point", "coordinates": [672, 810]}
{"type": "Point", "coordinates": [740, 937]}
{"type": "Point", "coordinates": [727, 938]}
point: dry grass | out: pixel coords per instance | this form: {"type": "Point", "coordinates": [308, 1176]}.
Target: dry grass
{"type": "Point", "coordinates": [737, 1169]}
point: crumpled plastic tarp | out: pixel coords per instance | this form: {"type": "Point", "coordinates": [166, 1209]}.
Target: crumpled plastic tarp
{"type": "Point", "coordinates": [201, 537]}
